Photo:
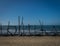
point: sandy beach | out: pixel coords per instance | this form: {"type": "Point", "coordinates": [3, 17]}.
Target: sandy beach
{"type": "Point", "coordinates": [30, 41]}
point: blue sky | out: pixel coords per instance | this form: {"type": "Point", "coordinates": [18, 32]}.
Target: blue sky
{"type": "Point", "coordinates": [48, 11]}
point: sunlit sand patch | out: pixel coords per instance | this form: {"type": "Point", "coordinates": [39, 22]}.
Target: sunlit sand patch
{"type": "Point", "coordinates": [30, 41]}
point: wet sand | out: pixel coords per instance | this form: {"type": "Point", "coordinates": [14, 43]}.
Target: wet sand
{"type": "Point", "coordinates": [30, 41]}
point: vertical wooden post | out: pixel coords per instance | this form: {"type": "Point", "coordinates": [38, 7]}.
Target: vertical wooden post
{"type": "Point", "coordinates": [29, 28]}
{"type": "Point", "coordinates": [19, 25]}
{"type": "Point", "coordinates": [22, 25]}
{"type": "Point", "coordinates": [34, 29]}
{"type": "Point", "coordinates": [23, 28]}
{"type": "Point", "coordinates": [8, 27]}
{"type": "Point", "coordinates": [42, 29]}
{"type": "Point", "coordinates": [1, 28]}
{"type": "Point", "coordinates": [22, 21]}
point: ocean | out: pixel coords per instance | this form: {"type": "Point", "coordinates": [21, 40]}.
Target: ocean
{"type": "Point", "coordinates": [32, 29]}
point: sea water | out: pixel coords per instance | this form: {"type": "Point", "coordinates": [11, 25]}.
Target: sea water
{"type": "Point", "coordinates": [31, 29]}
